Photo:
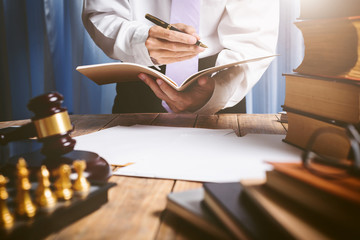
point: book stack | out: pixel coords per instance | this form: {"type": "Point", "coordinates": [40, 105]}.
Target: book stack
{"type": "Point", "coordinates": [222, 211]}
{"type": "Point", "coordinates": [291, 203]}
{"type": "Point", "coordinates": [324, 91]}
{"type": "Point", "coordinates": [307, 205]}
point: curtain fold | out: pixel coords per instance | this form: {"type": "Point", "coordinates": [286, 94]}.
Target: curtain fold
{"type": "Point", "coordinates": [43, 41]}
{"type": "Point", "coordinates": [269, 93]}
{"type": "Point", "coordinates": [58, 34]}
{"type": "Point", "coordinates": [5, 96]}
{"type": "Point", "coordinates": [41, 44]}
{"type": "Point", "coordinates": [17, 56]}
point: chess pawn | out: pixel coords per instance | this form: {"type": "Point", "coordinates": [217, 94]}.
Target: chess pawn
{"type": "Point", "coordinates": [45, 198]}
{"type": "Point", "coordinates": [24, 204]}
{"type": "Point", "coordinates": [6, 219]}
{"type": "Point", "coordinates": [63, 183]}
{"type": "Point", "coordinates": [81, 184]}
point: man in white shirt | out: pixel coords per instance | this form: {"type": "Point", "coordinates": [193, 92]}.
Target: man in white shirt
{"type": "Point", "coordinates": [233, 30]}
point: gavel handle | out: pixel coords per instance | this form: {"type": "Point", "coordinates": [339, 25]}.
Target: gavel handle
{"type": "Point", "coordinates": [24, 132]}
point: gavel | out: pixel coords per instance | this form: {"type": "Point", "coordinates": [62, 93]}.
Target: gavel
{"type": "Point", "coordinates": [51, 126]}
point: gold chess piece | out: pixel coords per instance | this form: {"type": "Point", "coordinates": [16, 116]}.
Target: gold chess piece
{"type": "Point", "coordinates": [63, 183]}
{"type": "Point", "coordinates": [6, 218]}
{"type": "Point", "coordinates": [24, 204]}
{"type": "Point", "coordinates": [81, 184]}
{"type": "Point", "coordinates": [44, 196]}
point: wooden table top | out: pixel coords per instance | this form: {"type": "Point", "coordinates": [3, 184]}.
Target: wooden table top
{"type": "Point", "coordinates": [136, 205]}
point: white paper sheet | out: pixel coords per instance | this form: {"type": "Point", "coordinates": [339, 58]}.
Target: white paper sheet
{"type": "Point", "coordinates": [207, 155]}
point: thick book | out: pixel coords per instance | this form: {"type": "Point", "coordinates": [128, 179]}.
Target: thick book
{"type": "Point", "coordinates": [332, 47]}
{"type": "Point", "coordinates": [336, 99]}
{"type": "Point", "coordinates": [189, 205]}
{"type": "Point", "coordinates": [313, 9]}
{"type": "Point", "coordinates": [346, 187]}
{"type": "Point", "coordinates": [124, 72]}
{"type": "Point", "coordinates": [291, 218]}
{"type": "Point", "coordinates": [328, 206]}
{"type": "Point", "coordinates": [302, 125]}
{"type": "Point", "coordinates": [228, 203]}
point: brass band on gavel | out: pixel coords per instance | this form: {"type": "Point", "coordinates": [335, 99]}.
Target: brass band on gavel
{"type": "Point", "coordinates": [58, 123]}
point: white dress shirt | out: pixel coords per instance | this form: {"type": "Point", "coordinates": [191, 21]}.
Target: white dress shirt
{"type": "Point", "coordinates": [236, 29]}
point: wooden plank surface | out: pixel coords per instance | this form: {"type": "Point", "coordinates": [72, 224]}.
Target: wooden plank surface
{"type": "Point", "coordinates": [174, 227]}
{"type": "Point", "coordinates": [284, 124]}
{"type": "Point", "coordinates": [136, 207]}
{"type": "Point", "coordinates": [175, 120]}
{"type": "Point", "coordinates": [89, 123]}
{"type": "Point", "coordinates": [260, 123]}
{"type": "Point", "coordinates": [133, 212]}
{"type": "Point", "coordinates": [222, 121]}
{"type": "Point", "coordinates": [132, 119]}
{"type": "Point", "coordinates": [13, 123]}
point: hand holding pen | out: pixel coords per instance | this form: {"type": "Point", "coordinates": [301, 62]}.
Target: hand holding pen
{"type": "Point", "coordinates": [166, 25]}
{"type": "Point", "coordinates": [167, 46]}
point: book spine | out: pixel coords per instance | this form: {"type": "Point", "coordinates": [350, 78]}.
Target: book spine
{"type": "Point", "coordinates": [301, 126]}
{"type": "Point", "coordinates": [334, 122]}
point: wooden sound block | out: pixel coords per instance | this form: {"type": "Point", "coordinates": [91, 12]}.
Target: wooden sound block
{"type": "Point", "coordinates": [97, 168]}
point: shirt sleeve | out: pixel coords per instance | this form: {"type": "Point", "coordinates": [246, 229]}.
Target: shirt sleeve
{"type": "Point", "coordinates": [248, 29]}
{"type": "Point", "coordinates": [110, 25]}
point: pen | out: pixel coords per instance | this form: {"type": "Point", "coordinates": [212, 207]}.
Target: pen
{"type": "Point", "coordinates": [163, 24]}
{"type": "Point", "coordinates": [122, 165]}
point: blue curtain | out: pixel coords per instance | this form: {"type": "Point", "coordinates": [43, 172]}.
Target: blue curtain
{"type": "Point", "coordinates": [268, 94]}
{"type": "Point", "coordinates": [42, 42]}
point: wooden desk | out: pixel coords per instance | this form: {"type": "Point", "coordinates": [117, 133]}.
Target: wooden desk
{"type": "Point", "coordinates": [136, 205]}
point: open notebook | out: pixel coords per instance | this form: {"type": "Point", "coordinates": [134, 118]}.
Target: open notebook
{"type": "Point", "coordinates": [123, 72]}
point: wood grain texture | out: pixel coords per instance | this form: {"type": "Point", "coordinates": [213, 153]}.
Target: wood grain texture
{"type": "Point", "coordinates": [133, 212]}
{"type": "Point", "coordinates": [129, 119]}
{"type": "Point", "coordinates": [221, 121]}
{"type": "Point", "coordinates": [185, 185]}
{"type": "Point", "coordinates": [13, 123]}
{"type": "Point", "coordinates": [285, 125]}
{"type": "Point", "coordinates": [260, 123]}
{"type": "Point", "coordinates": [174, 227]}
{"type": "Point", "coordinates": [136, 207]}
{"type": "Point", "coordinates": [175, 120]}
{"type": "Point", "coordinates": [89, 123]}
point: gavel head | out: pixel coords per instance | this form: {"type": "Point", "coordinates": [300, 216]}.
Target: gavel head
{"type": "Point", "coordinates": [52, 127]}
{"type": "Point", "coordinates": [52, 124]}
